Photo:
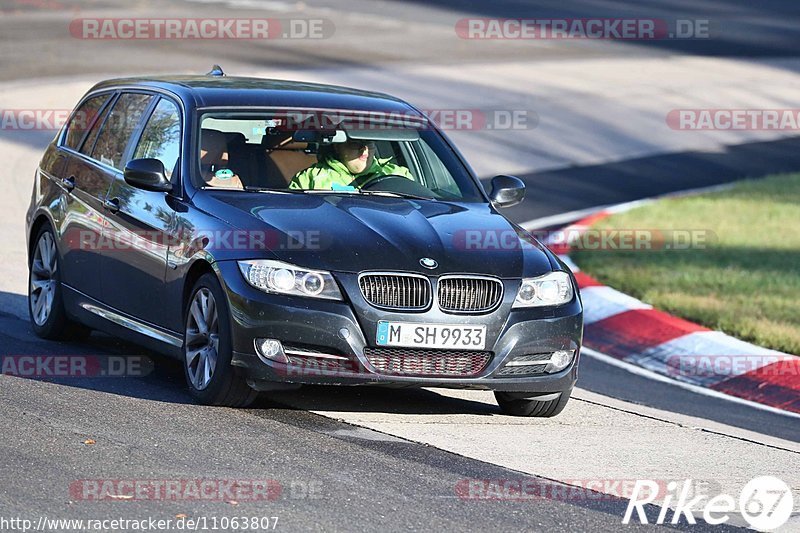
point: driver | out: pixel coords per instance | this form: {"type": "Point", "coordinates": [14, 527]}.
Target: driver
{"type": "Point", "coordinates": [348, 163]}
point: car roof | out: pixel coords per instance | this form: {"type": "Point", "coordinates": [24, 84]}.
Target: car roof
{"type": "Point", "coordinates": [230, 91]}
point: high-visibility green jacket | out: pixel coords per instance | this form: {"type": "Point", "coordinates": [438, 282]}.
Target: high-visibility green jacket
{"type": "Point", "coordinates": [331, 171]}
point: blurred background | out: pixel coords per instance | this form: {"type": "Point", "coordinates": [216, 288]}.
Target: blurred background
{"type": "Point", "coordinates": [596, 130]}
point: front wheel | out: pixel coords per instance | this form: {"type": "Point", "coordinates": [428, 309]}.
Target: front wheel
{"type": "Point", "coordinates": [207, 349]}
{"type": "Point", "coordinates": [511, 404]}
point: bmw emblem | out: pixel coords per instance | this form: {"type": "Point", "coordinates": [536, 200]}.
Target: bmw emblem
{"type": "Point", "coordinates": [427, 262]}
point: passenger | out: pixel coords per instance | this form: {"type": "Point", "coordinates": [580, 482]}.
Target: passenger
{"type": "Point", "coordinates": [214, 161]}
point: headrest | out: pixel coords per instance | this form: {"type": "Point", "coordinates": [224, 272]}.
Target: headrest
{"type": "Point", "coordinates": [235, 137]}
{"type": "Point", "coordinates": [214, 143]}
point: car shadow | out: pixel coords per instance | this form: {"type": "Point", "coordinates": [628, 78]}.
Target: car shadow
{"type": "Point", "coordinates": [374, 399]}
{"type": "Point", "coordinates": [119, 367]}
{"type": "Point", "coordinates": [101, 362]}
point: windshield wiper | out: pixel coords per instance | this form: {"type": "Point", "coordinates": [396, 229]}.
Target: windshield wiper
{"type": "Point", "coordinates": [255, 188]}
{"type": "Point", "coordinates": [354, 192]}
{"type": "Point", "coordinates": [362, 192]}
{"type": "Point", "coordinates": [397, 195]}
{"type": "Point", "coordinates": [330, 191]}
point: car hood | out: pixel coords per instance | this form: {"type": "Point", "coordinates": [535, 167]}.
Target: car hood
{"type": "Point", "coordinates": [350, 233]}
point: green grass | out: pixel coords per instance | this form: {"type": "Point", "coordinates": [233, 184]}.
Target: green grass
{"type": "Point", "coordinates": [745, 282]}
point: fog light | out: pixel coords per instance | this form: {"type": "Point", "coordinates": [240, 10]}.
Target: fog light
{"type": "Point", "coordinates": [560, 360]}
{"type": "Point", "coordinates": [271, 349]}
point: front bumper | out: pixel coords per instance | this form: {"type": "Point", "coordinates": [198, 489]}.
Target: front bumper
{"type": "Point", "coordinates": [345, 328]}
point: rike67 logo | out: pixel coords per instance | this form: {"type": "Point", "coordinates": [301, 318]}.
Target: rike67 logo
{"type": "Point", "coordinates": [765, 502]}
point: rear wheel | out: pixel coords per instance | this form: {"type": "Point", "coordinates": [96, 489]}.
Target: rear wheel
{"type": "Point", "coordinates": [207, 349]}
{"type": "Point", "coordinates": [511, 404]}
{"type": "Point", "coordinates": [45, 300]}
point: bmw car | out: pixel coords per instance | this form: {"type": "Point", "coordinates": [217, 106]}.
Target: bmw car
{"type": "Point", "coordinates": [271, 234]}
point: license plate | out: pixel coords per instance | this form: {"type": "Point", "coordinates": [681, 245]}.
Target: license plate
{"type": "Point", "coordinates": [415, 335]}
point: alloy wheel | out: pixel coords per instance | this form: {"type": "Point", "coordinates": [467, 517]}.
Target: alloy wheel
{"type": "Point", "coordinates": [43, 278]}
{"type": "Point", "coordinates": [202, 338]}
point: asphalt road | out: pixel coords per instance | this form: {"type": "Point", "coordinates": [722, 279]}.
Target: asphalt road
{"type": "Point", "coordinates": [369, 458]}
{"type": "Point", "coordinates": [333, 476]}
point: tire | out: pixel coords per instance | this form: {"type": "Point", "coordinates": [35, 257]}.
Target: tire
{"type": "Point", "coordinates": [45, 293]}
{"type": "Point", "coordinates": [207, 348]}
{"type": "Point", "coordinates": [510, 404]}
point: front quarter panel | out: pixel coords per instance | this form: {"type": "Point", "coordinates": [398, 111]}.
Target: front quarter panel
{"type": "Point", "coordinates": [189, 245]}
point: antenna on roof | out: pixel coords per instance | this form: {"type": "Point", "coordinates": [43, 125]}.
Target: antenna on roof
{"type": "Point", "coordinates": [216, 71]}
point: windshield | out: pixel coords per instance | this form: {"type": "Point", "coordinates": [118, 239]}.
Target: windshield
{"type": "Point", "coordinates": [326, 152]}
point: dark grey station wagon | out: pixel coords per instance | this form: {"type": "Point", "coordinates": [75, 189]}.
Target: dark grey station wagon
{"type": "Point", "coordinates": [271, 234]}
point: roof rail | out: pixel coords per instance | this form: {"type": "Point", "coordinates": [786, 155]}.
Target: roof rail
{"type": "Point", "coordinates": [216, 71]}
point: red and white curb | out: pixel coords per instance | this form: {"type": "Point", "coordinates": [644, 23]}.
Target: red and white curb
{"type": "Point", "coordinates": [618, 327]}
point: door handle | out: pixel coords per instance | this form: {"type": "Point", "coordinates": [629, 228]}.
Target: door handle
{"type": "Point", "coordinates": [111, 204]}
{"type": "Point", "coordinates": [69, 183]}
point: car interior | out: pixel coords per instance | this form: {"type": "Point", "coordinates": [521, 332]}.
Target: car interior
{"type": "Point", "coordinates": [264, 154]}
{"type": "Point", "coordinates": [271, 163]}
{"type": "Point", "coordinates": [274, 160]}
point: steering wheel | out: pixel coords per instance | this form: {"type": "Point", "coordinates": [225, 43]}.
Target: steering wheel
{"type": "Point", "coordinates": [376, 180]}
{"type": "Point", "coordinates": [398, 184]}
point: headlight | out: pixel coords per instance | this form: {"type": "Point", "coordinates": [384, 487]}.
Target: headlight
{"type": "Point", "coordinates": [283, 278]}
{"type": "Point", "coordinates": [554, 288]}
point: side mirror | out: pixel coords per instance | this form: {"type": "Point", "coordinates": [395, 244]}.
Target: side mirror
{"type": "Point", "coordinates": [147, 174]}
{"type": "Point", "coordinates": [507, 191]}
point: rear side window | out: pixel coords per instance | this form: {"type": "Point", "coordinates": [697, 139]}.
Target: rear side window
{"type": "Point", "coordinates": [88, 144]}
{"type": "Point", "coordinates": [161, 138]}
{"type": "Point", "coordinates": [82, 120]}
{"type": "Point", "coordinates": [118, 127]}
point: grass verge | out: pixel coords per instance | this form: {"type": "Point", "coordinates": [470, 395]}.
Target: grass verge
{"type": "Point", "coordinates": [729, 260]}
